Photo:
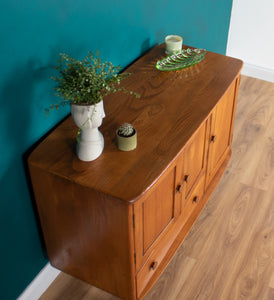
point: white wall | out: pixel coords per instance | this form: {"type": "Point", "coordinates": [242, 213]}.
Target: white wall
{"type": "Point", "coordinates": [251, 37]}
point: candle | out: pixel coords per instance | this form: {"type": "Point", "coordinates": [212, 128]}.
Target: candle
{"type": "Point", "coordinates": [173, 44]}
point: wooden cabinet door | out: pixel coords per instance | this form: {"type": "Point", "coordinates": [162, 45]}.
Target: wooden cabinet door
{"type": "Point", "coordinates": [154, 213]}
{"type": "Point", "coordinates": [192, 164]}
{"type": "Point", "coordinates": [221, 130]}
{"type": "Point", "coordinates": [194, 159]}
{"type": "Point", "coordinates": [193, 167]}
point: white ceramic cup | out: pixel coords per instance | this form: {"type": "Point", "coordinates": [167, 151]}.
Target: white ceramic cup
{"type": "Point", "coordinates": [173, 44]}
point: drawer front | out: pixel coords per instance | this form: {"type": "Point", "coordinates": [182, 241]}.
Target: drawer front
{"type": "Point", "coordinates": [193, 199]}
{"type": "Point", "coordinates": [152, 264]}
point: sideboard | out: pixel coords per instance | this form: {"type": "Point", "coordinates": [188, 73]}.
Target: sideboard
{"type": "Point", "coordinates": [116, 222]}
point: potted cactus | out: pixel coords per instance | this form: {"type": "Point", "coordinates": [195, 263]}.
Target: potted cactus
{"type": "Point", "coordinates": [126, 136]}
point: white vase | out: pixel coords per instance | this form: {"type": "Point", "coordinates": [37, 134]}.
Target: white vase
{"type": "Point", "coordinates": [90, 141]}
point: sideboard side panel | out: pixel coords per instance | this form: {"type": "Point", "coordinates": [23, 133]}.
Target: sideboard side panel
{"type": "Point", "coordinates": [87, 233]}
{"type": "Point", "coordinates": [234, 107]}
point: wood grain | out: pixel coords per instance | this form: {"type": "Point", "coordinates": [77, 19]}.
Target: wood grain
{"type": "Point", "coordinates": [158, 210]}
{"type": "Point", "coordinates": [229, 253]}
{"type": "Point", "coordinates": [128, 175]}
{"type": "Point", "coordinates": [86, 233]}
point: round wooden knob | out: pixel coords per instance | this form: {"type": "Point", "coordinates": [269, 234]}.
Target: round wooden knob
{"type": "Point", "coordinates": [153, 265]}
{"type": "Point", "coordinates": [179, 188]}
{"type": "Point", "coordinates": [186, 178]}
{"type": "Point", "coordinates": [213, 138]}
{"type": "Point", "coordinates": [195, 199]}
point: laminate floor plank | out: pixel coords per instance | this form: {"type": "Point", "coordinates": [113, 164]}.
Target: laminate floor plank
{"type": "Point", "coordinates": [252, 148]}
{"type": "Point", "coordinates": [229, 252]}
{"type": "Point", "coordinates": [254, 268]}
{"type": "Point", "coordinates": [178, 270]}
{"type": "Point", "coordinates": [271, 282]}
{"type": "Point", "coordinates": [221, 256]}
{"type": "Point", "coordinates": [66, 287]}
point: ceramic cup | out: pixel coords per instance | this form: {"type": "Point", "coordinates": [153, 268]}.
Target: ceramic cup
{"type": "Point", "coordinates": [173, 44]}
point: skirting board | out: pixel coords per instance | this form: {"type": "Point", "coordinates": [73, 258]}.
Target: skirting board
{"type": "Point", "coordinates": [258, 72]}
{"type": "Point", "coordinates": [40, 283]}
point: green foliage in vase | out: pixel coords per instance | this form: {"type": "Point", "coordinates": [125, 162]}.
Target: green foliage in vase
{"type": "Point", "coordinates": [86, 81]}
{"type": "Point", "coordinates": [126, 130]}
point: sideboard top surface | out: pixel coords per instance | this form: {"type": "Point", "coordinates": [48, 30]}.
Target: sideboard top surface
{"type": "Point", "coordinates": [171, 108]}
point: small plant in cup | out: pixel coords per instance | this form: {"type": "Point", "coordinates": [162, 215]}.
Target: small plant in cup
{"type": "Point", "coordinates": [126, 136]}
{"type": "Point", "coordinates": [126, 130]}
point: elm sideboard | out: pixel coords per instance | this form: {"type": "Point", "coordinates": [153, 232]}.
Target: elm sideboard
{"type": "Point", "coordinates": [116, 222]}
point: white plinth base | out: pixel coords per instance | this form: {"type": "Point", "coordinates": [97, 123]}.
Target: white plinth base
{"type": "Point", "coordinates": [88, 150]}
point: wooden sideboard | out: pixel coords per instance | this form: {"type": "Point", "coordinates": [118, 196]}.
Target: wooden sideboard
{"type": "Point", "coordinates": [117, 221]}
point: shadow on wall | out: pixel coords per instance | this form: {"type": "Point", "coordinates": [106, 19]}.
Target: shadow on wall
{"type": "Point", "coordinates": [25, 157]}
{"type": "Point", "coordinates": [26, 91]}
{"type": "Point", "coordinates": [18, 105]}
{"type": "Point", "coordinates": [147, 45]}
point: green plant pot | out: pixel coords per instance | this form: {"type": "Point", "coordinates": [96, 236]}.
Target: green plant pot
{"type": "Point", "coordinates": [126, 143]}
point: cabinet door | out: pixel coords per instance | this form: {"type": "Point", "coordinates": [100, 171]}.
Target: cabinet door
{"type": "Point", "coordinates": [194, 159]}
{"type": "Point", "coordinates": [221, 131]}
{"type": "Point", "coordinates": [154, 213]}
{"type": "Point", "coordinates": [193, 166]}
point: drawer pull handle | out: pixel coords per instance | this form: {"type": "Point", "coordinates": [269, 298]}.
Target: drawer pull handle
{"type": "Point", "coordinates": [213, 138]}
{"type": "Point", "coordinates": [153, 265]}
{"type": "Point", "coordinates": [195, 199]}
{"type": "Point", "coordinates": [186, 178]}
{"type": "Point", "coordinates": [179, 188]}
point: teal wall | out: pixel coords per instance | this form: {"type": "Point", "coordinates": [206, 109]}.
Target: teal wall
{"type": "Point", "coordinates": [32, 34]}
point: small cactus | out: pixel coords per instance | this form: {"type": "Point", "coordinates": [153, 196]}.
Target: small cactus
{"type": "Point", "coordinates": [126, 130]}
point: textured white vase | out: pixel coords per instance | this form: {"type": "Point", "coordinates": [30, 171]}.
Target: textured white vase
{"type": "Point", "coordinates": [88, 118]}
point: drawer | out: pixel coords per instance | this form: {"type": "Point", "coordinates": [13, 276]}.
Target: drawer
{"type": "Point", "coordinates": [152, 264]}
{"type": "Point", "coordinates": [192, 201]}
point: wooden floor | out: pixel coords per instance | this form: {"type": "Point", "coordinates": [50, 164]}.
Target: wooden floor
{"type": "Point", "coordinates": [229, 253]}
